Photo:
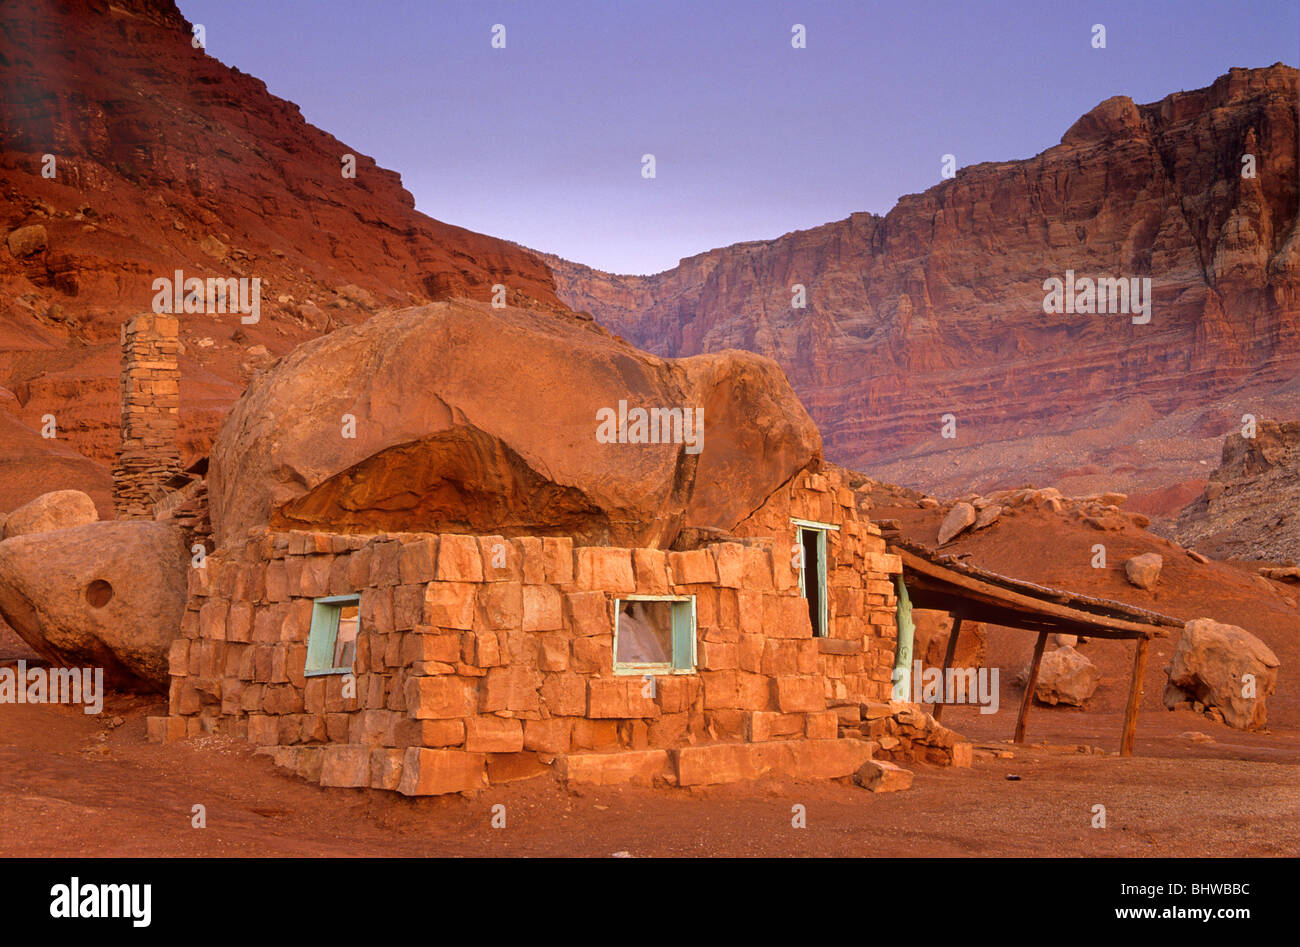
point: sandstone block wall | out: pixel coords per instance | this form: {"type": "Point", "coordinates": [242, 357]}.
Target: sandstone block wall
{"type": "Point", "coordinates": [857, 655]}
{"type": "Point", "coordinates": [481, 657]}
{"type": "Point", "coordinates": [148, 455]}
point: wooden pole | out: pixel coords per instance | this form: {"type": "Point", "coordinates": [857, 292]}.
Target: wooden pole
{"type": "Point", "coordinates": [1134, 696]}
{"type": "Point", "coordinates": [947, 663]}
{"type": "Point", "coordinates": [1030, 684]}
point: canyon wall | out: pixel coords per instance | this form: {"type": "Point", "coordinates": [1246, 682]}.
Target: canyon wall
{"type": "Point", "coordinates": [127, 154]}
{"type": "Point", "coordinates": [938, 307]}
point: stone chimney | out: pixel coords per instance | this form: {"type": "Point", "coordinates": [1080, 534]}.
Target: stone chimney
{"type": "Point", "coordinates": [148, 456]}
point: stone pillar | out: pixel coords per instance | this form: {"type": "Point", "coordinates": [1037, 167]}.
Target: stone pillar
{"type": "Point", "coordinates": [148, 456]}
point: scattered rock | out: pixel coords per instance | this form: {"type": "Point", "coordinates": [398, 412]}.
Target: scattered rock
{"type": "Point", "coordinates": [50, 511]}
{"type": "Point", "coordinates": [76, 597]}
{"type": "Point", "coordinates": [880, 776]}
{"type": "Point", "coordinates": [1144, 571]}
{"type": "Point", "coordinates": [311, 314]}
{"type": "Point", "coordinates": [1284, 574]}
{"type": "Point", "coordinates": [1197, 557]}
{"type": "Point", "coordinates": [1064, 677]}
{"type": "Point", "coordinates": [1210, 667]}
{"type": "Point", "coordinates": [27, 241]}
{"type": "Point", "coordinates": [988, 516]}
{"type": "Point", "coordinates": [356, 294]}
{"type": "Point", "coordinates": [213, 247]}
{"type": "Point", "coordinates": [1047, 498]}
{"type": "Point", "coordinates": [1107, 522]}
{"type": "Point", "coordinates": [959, 517]}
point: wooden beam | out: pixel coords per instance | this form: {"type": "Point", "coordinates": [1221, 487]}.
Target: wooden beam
{"type": "Point", "coordinates": [1086, 603]}
{"type": "Point", "coordinates": [1030, 684]}
{"type": "Point", "coordinates": [947, 663]}
{"type": "Point", "coordinates": [996, 595]}
{"type": "Point", "coordinates": [965, 605]}
{"type": "Point", "coordinates": [1134, 697]}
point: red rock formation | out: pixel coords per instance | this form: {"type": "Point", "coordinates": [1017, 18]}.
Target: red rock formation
{"type": "Point", "coordinates": [938, 307]}
{"type": "Point", "coordinates": [1250, 508]}
{"type": "Point", "coordinates": [460, 417]}
{"type": "Point", "coordinates": [166, 159]}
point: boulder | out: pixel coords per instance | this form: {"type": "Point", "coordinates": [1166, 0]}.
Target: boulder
{"type": "Point", "coordinates": [1064, 677]}
{"type": "Point", "coordinates": [27, 241]}
{"type": "Point", "coordinates": [50, 511]}
{"type": "Point", "coordinates": [458, 417]}
{"type": "Point", "coordinates": [959, 517]}
{"type": "Point", "coordinates": [1210, 666]}
{"type": "Point", "coordinates": [356, 294]}
{"type": "Point", "coordinates": [107, 595]}
{"type": "Point", "coordinates": [880, 776]}
{"type": "Point", "coordinates": [1144, 571]}
{"type": "Point", "coordinates": [988, 516]}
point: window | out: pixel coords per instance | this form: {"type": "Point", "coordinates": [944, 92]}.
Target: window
{"type": "Point", "coordinates": [654, 634]}
{"type": "Point", "coordinates": [332, 645]}
{"type": "Point", "coordinates": [811, 538]}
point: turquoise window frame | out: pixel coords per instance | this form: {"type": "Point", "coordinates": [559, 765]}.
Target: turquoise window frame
{"type": "Point", "coordinates": [821, 529]}
{"type": "Point", "coordinates": [684, 646]}
{"type": "Point", "coordinates": [321, 641]}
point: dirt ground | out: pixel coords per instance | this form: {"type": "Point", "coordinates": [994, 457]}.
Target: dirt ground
{"type": "Point", "coordinates": [74, 785]}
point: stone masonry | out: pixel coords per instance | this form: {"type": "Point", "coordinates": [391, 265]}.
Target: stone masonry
{"type": "Point", "coordinates": [148, 456]}
{"type": "Point", "coordinates": [483, 659]}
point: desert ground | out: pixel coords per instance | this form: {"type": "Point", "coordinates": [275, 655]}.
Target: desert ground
{"type": "Point", "coordinates": [76, 783]}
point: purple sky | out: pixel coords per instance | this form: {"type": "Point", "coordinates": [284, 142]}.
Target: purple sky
{"type": "Point", "coordinates": [541, 142]}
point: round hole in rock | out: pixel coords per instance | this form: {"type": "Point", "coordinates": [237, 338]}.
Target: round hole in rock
{"type": "Point", "coordinates": [99, 593]}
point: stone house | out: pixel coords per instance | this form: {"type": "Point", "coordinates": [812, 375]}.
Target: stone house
{"type": "Point", "coordinates": [625, 614]}
{"type": "Point", "coordinates": [433, 663]}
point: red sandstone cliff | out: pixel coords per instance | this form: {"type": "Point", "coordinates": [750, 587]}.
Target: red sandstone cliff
{"type": "Point", "coordinates": [166, 159]}
{"type": "Point", "coordinates": [937, 307]}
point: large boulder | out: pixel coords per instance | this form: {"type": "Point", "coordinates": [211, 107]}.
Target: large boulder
{"type": "Point", "coordinates": [460, 417]}
{"type": "Point", "coordinates": [58, 510]}
{"type": "Point", "coordinates": [26, 241]}
{"type": "Point", "coordinates": [1224, 670]}
{"type": "Point", "coordinates": [107, 595]}
{"type": "Point", "coordinates": [959, 517]}
{"type": "Point", "coordinates": [1065, 677]}
{"type": "Point", "coordinates": [1144, 571]}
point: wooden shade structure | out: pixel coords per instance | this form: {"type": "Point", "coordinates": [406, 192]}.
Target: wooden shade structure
{"type": "Point", "coordinates": [970, 593]}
